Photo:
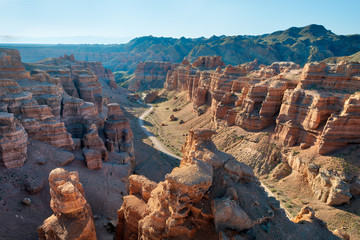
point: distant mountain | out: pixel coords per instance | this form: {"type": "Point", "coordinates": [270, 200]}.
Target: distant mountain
{"type": "Point", "coordinates": [297, 44]}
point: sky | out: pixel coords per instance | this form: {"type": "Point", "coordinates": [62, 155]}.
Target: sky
{"type": "Point", "coordinates": [118, 21]}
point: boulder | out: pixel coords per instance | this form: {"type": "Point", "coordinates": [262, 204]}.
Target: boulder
{"type": "Point", "coordinates": [92, 158]}
{"type": "Point", "coordinates": [151, 96]}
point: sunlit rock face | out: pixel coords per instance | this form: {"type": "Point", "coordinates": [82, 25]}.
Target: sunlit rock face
{"type": "Point", "coordinates": [209, 196]}
{"type": "Point", "coordinates": [59, 101]}
{"type": "Point", "coordinates": [72, 218]}
{"type": "Point", "coordinates": [316, 104]}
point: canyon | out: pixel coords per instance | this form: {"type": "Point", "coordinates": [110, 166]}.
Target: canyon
{"type": "Point", "coordinates": [69, 122]}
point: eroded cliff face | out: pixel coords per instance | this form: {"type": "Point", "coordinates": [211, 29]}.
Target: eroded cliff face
{"type": "Point", "coordinates": [313, 105]}
{"type": "Point", "coordinates": [72, 218]}
{"type": "Point", "coordinates": [316, 106]}
{"type": "Point", "coordinates": [210, 196]}
{"type": "Point", "coordinates": [150, 75]}
{"type": "Point", "coordinates": [59, 101]}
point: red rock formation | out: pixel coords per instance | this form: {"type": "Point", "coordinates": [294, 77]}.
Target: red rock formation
{"type": "Point", "coordinates": [45, 89]}
{"type": "Point", "coordinates": [61, 120]}
{"type": "Point", "coordinates": [78, 116]}
{"type": "Point", "coordinates": [102, 73]}
{"type": "Point", "coordinates": [151, 96]}
{"type": "Point", "coordinates": [208, 62]}
{"type": "Point", "coordinates": [11, 66]}
{"type": "Point", "coordinates": [308, 112]}
{"type": "Point", "coordinates": [95, 67]}
{"type": "Point", "coordinates": [92, 158]}
{"type": "Point", "coordinates": [88, 86]}
{"type": "Point", "coordinates": [151, 74]}
{"type": "Point", "coordinates": [72, 218]}
{"type": "Point", "coordinates": [78, 78]}
{"type": "Point", "coordinates": [118, 132]}
{"type": "Point", "coordinates": [305, 105]}
{"type": "Point", "coordinates": [342, 128]}
{"type": "Point", "coordinates": [210, 196]}
{"type": "Point", "coordinates": [92, 140]}
{"type": "Point", "coordinates": [176, 79]}
{"type": "Point", "coordinates": [13, 141]}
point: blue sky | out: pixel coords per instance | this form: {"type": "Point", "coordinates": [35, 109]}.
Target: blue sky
{"type": "Point", "coordinates": [108, 21]}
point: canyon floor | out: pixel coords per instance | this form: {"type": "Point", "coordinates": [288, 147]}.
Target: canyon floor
{"type": "Point", "coordinates": [292, 191]}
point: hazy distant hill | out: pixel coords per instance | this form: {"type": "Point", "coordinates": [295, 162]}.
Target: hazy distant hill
{"type": "Point", "coordinates": [300, 45]}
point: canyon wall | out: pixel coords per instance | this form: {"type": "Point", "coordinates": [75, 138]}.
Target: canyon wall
{"type": "Point", "coordinates": [150, 75]}
{"type": "Point", "coordinates": [314, 105]}
{"type": "Point", "coordinates": [59, 101]}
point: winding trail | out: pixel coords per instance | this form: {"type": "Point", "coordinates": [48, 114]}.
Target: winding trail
{"type": "Point", "coordinates": [159, 146]}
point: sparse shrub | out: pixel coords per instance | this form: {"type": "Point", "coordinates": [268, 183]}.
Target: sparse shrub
{"type": "Point", "coordinates": [288, 205]}
{"type": "Point", "coordinates": [294, 152]}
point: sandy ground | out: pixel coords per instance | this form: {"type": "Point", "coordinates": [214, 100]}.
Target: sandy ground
{"type": "Point", "coordinates": [19, 221]}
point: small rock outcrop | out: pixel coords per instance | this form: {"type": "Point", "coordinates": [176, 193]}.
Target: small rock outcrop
{"type": "Point", "coordinates": [72, 218]}
{"type": "Point", "coordinates": [151, 96]}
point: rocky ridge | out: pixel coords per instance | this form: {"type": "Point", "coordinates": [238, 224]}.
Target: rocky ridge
{"type": "Point", "coordinates": [297, 44]}
{"type": "Point", "coordinates": [211, 195]}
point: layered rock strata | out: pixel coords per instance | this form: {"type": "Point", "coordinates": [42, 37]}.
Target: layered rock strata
{"type": "Point", "coordinates": [13, 141]}
{"type": "Point", "coordinates": [150, 75]}
{"type": "Point", "coordinates": [72, 218]}
{"type": "Point", "coordinates": [58, 101]}
{"type": "Point", "coordinates": [313, 105]}
{"type": "Point", "coordinates": [118, 133]}
{"type": "Point", "coordinates": [79, 79]}
{"type": "Point", "coordinates": [11, 66]}
{"type": "Point", "coordinates": [328, 186]}
{"type": "Point", "coordinates": [17, 96]}
{"type": "Point", "coordinates": [210, 196]}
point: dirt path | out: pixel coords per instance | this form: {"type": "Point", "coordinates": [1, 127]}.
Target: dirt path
{"type": "Point", "coordinates": [157, 144]}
